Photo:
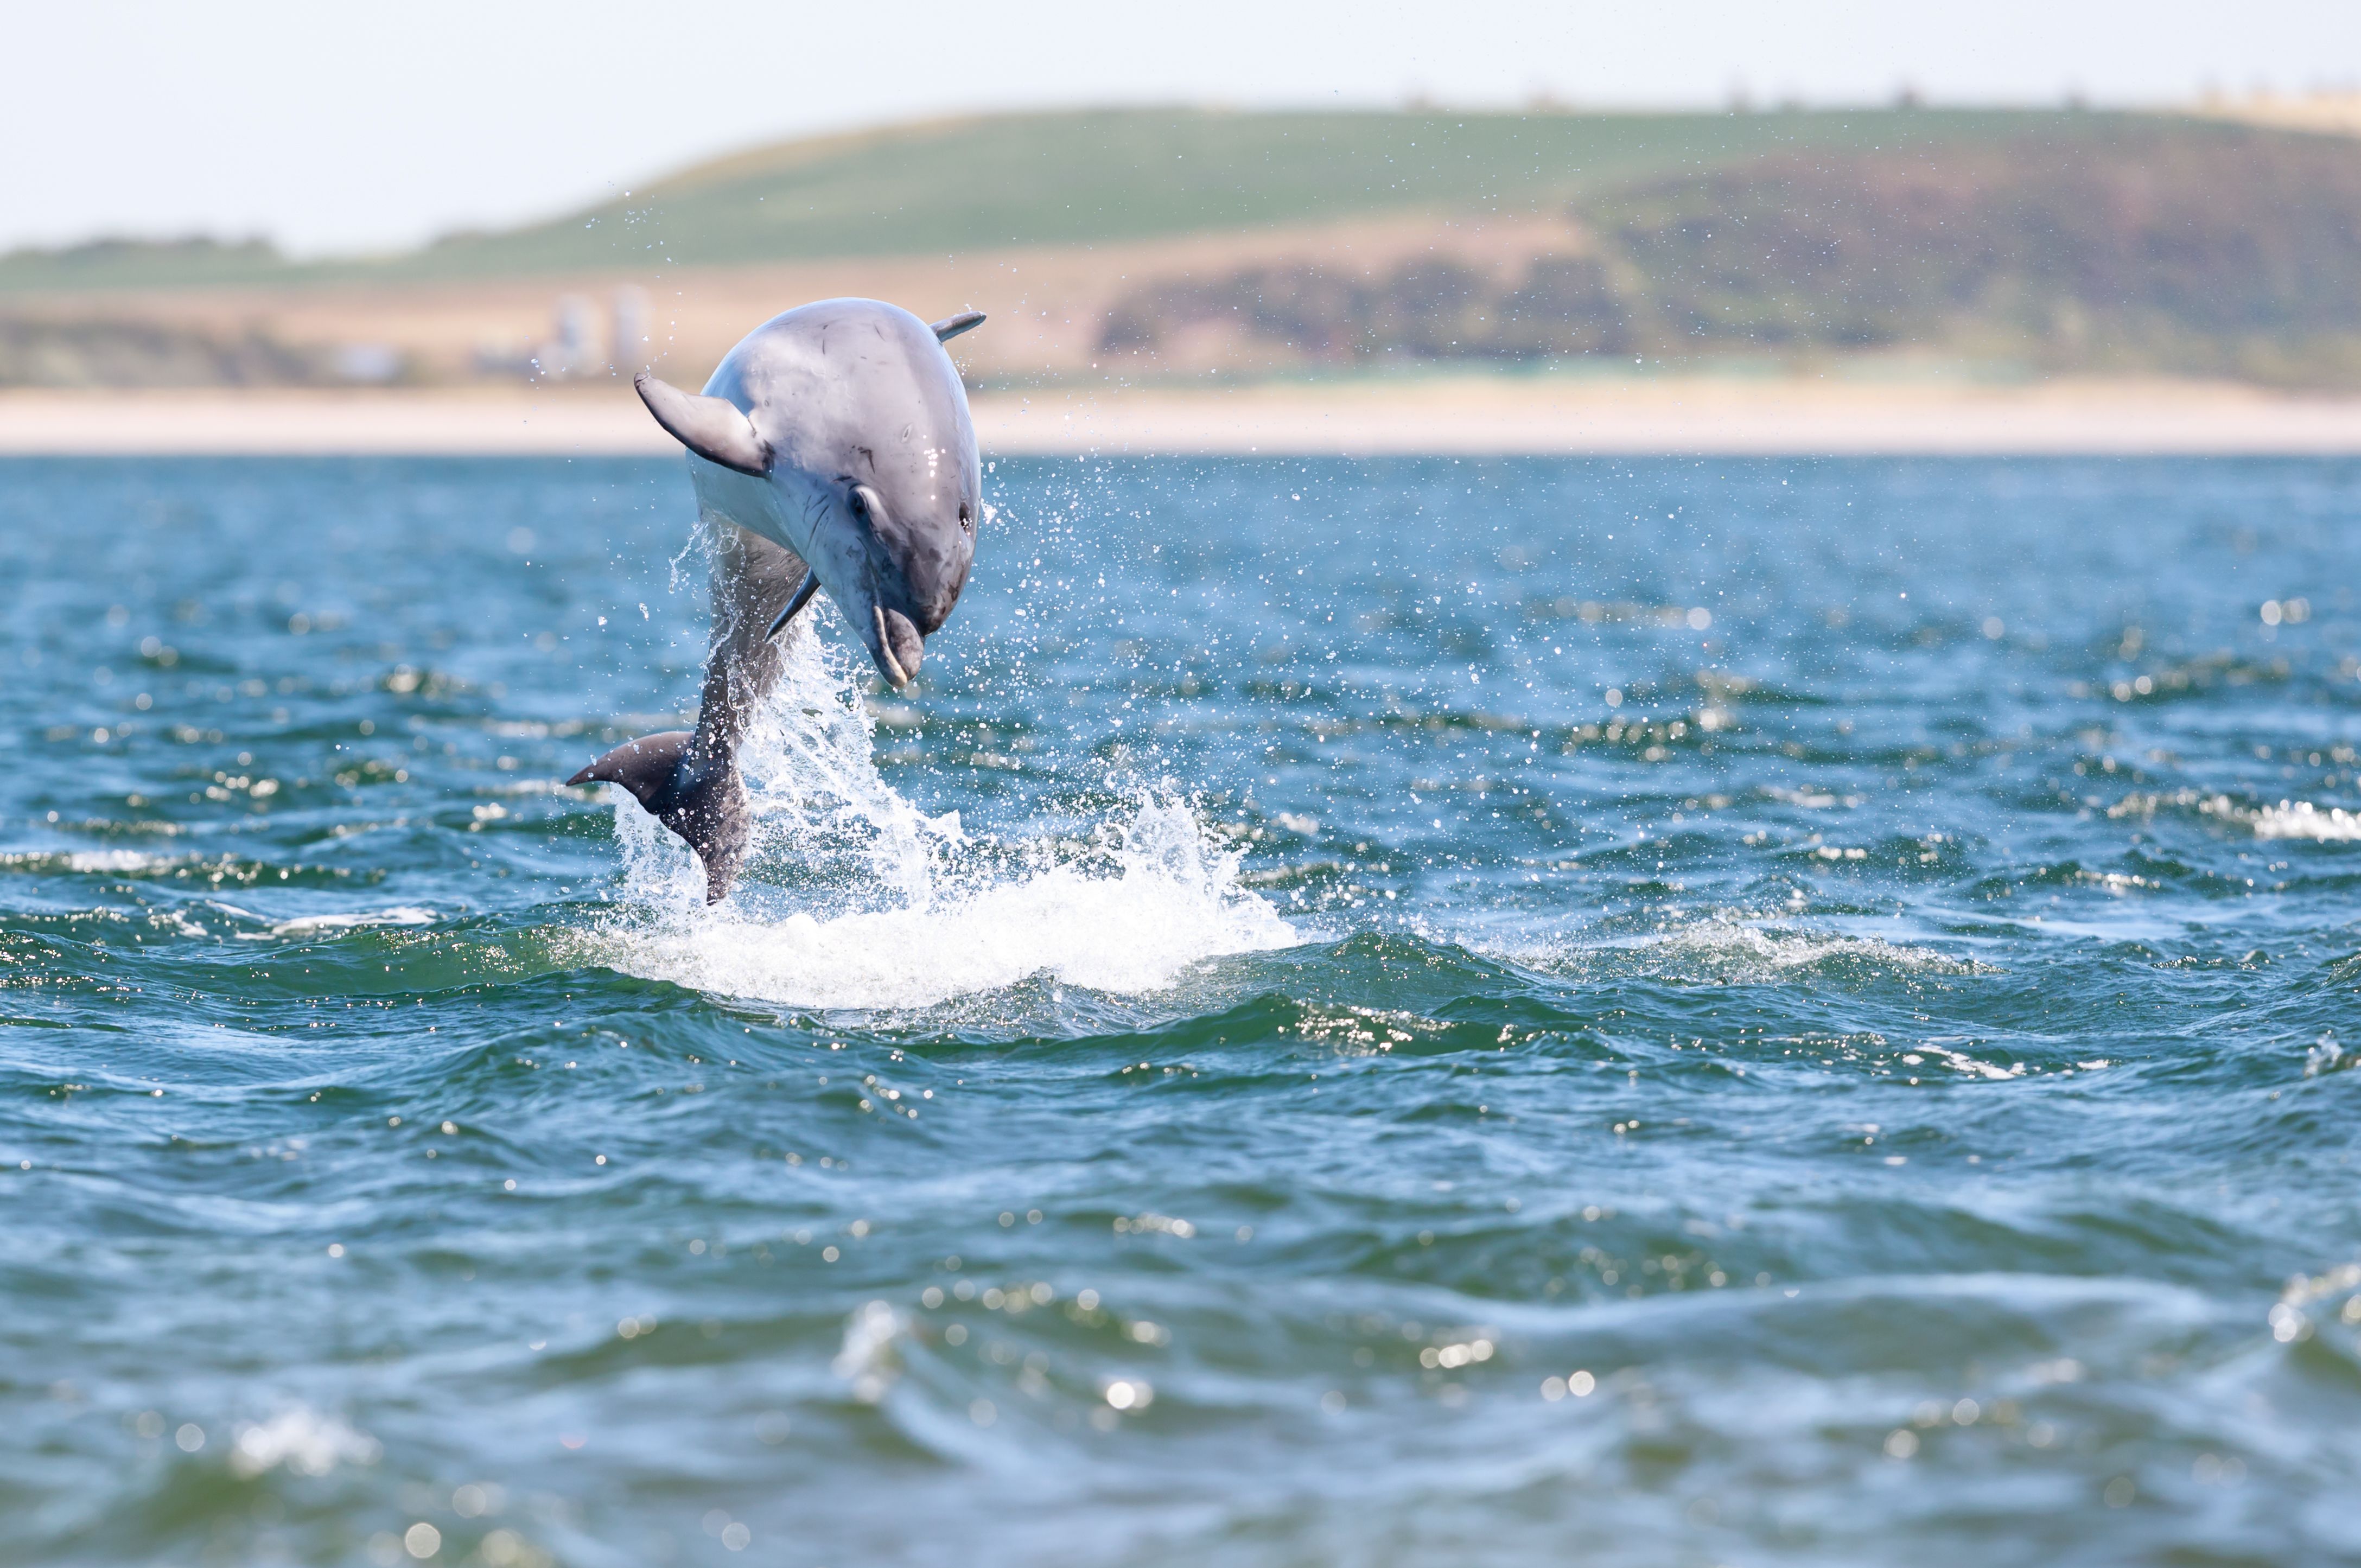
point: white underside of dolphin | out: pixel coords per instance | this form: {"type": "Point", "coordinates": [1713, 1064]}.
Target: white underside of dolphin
{"type": "Point", "coordinates": [831, 451]}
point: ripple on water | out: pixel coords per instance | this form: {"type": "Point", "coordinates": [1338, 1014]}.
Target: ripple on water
{"type": "Point", "coordinates": [1743, 952]}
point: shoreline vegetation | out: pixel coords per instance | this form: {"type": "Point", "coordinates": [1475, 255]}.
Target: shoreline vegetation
{"type": "Point", "coordinates": [1452, 415]}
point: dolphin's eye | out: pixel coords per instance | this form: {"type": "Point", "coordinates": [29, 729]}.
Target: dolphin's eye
{"type": "Point", "coordinates": [967, 518]}
{"type": "Point", "coordinates": [859, 503]}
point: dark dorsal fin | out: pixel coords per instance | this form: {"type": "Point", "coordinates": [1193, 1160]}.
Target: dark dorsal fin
{"type": "Point", "coordinates": [713, 428]}
{"type": "Point", "coordinates": [950, 327]}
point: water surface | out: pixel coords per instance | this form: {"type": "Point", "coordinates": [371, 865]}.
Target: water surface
{"type": "Point", "coordinates": [1410, 1011]}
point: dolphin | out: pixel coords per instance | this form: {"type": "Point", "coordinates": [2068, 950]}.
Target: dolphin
{"type": "Point", "coordinates": [832, 449]}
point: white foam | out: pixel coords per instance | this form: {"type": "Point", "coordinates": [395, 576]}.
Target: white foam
{"type": "Point", "coordinates": [1757, 949]}
{"type": "Point", "coordinates": [867, 1359]}
{"type": "Point", "coordinates": [1976, 1066]}
{"type": "Point", "coordinates": [306, 1443]}
{"type": "Point", "coordinates": [853, 898]}
{"type": "Point", "coordinates": [134, 863]}
{"type": "Point", "coordinates": [1811, 799]}
{"type": "Point", "coordinates": [1734, 951]}
{"type": "Point", "coordinates": [312, 925]}
{"type": "Point", "coordinates": [120, 860]}
{"type": "Point", "coordinates": [2301, 819]}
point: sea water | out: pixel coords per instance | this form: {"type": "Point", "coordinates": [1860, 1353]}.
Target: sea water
{"type": "Point", "coordinates": [1400, 1012]}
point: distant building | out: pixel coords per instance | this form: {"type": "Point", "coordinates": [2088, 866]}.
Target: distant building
{"type": "Point", "coordinates": [628, 353]}
{"type": "Point", "coordinates": [574, 350]}
{"type": "Point", "coordinates": [367, 363]}
{"type": "Point", "coordinates": [2327, 112]}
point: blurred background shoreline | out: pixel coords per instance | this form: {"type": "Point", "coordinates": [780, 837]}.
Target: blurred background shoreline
{"type": "Point", "coordinates": [1775, 277]}
{"type": "Point", "coordinates": [1443, 415]}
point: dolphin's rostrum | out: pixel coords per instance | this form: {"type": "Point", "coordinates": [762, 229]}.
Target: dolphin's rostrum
{"type": "Point", "coordinates": [832, 449]}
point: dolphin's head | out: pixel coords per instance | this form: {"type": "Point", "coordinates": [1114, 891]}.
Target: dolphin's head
{"type": "Point", "coordinates": [898, 538]}
{"type": "Point", "coordinates": [892, 514]}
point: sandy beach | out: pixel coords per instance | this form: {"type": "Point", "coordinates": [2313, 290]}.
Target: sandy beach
{"type": "Point", "coordinates": [1469, 415]}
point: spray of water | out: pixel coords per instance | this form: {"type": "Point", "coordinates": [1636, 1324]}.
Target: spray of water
{"type": "Point", "coordinates": [853, 897]}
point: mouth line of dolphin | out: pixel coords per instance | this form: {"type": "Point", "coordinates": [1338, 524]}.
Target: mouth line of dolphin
{"type": "Point", "coordinates": [899, 646]}
{"type": "Point", "coordinates": [896, 643]}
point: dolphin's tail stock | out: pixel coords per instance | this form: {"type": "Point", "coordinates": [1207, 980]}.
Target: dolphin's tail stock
{"type": "Point", "coordinates": [705, 806]}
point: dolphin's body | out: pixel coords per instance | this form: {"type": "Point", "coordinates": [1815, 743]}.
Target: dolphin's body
{"type": "Point", "coordinates": [836, 434]}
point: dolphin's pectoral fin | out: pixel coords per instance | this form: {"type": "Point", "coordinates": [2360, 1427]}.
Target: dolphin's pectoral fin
{"type": "Point", "coordinates": [803, 592]}
{"type": "Point", "coordinates": [707, 810]}
{"type": "Point", "coordinates": [950, 327]}
{"type": "Point", "coordinates": [713, 428]}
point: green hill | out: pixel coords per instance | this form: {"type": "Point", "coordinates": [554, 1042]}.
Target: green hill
{"type": "Point", "coordinates": [2007, 241]}
{"type": "Point", "coordinates": [2148, 247]}
{"type": "Point", "coordinates": [1079, 178]}
{"type": "Point", "coordinates": [1091, 176]}
{"type": "Point", "coordinates": [196, 261]}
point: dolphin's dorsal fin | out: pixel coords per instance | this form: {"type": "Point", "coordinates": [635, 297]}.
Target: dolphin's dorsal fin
{"type": "Point", "coordinates": [713, 428]}
{"type": "Point", "coordinates": [950, 327]}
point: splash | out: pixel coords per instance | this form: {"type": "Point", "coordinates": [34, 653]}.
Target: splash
{"type": "Point", "coordinates": [853, 897]}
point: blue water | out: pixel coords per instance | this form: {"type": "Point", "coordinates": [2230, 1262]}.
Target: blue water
{"type": "Point", "coordinates": [1404, 1012]}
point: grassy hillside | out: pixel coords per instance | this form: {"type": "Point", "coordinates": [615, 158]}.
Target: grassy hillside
{"type": "Point", "coordinates": [1175, 243]}
{"type": "Point", "coordinates": [103, 353]}
{"type": "Point", "coordinates": [2153, 248]}
{"type": "Point", "coordinates": [198, 261]}
{"type": "Point", "coordinates": [1064, 179]}
{"type": "Point", "coordinates": [1078, 178]}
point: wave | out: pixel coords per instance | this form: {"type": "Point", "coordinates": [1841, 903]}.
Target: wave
{"type": "Point", "coordinates": [314, 925]}
{"type": "Point", "coordinates": [1728, 951]}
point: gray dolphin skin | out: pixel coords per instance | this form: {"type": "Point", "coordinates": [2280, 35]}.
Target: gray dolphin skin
{"type": "Point", "coordinates": [832, 449]}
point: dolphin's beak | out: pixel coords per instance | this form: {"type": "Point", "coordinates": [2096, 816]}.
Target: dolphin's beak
{"type": "Point", "coordinates": [846, 560]}
{"type": "Point", "coordinates": [896, 645]}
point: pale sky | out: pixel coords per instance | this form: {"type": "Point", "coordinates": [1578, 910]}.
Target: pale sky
{"type": "Point", "coordinates": [332, 126]}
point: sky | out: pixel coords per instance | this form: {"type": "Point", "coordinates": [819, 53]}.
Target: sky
{"type": "Point", "coordinates": [336, 128]}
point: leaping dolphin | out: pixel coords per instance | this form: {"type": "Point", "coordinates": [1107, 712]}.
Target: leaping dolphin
{"type": "Point", "coordinates": [832, 449]}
